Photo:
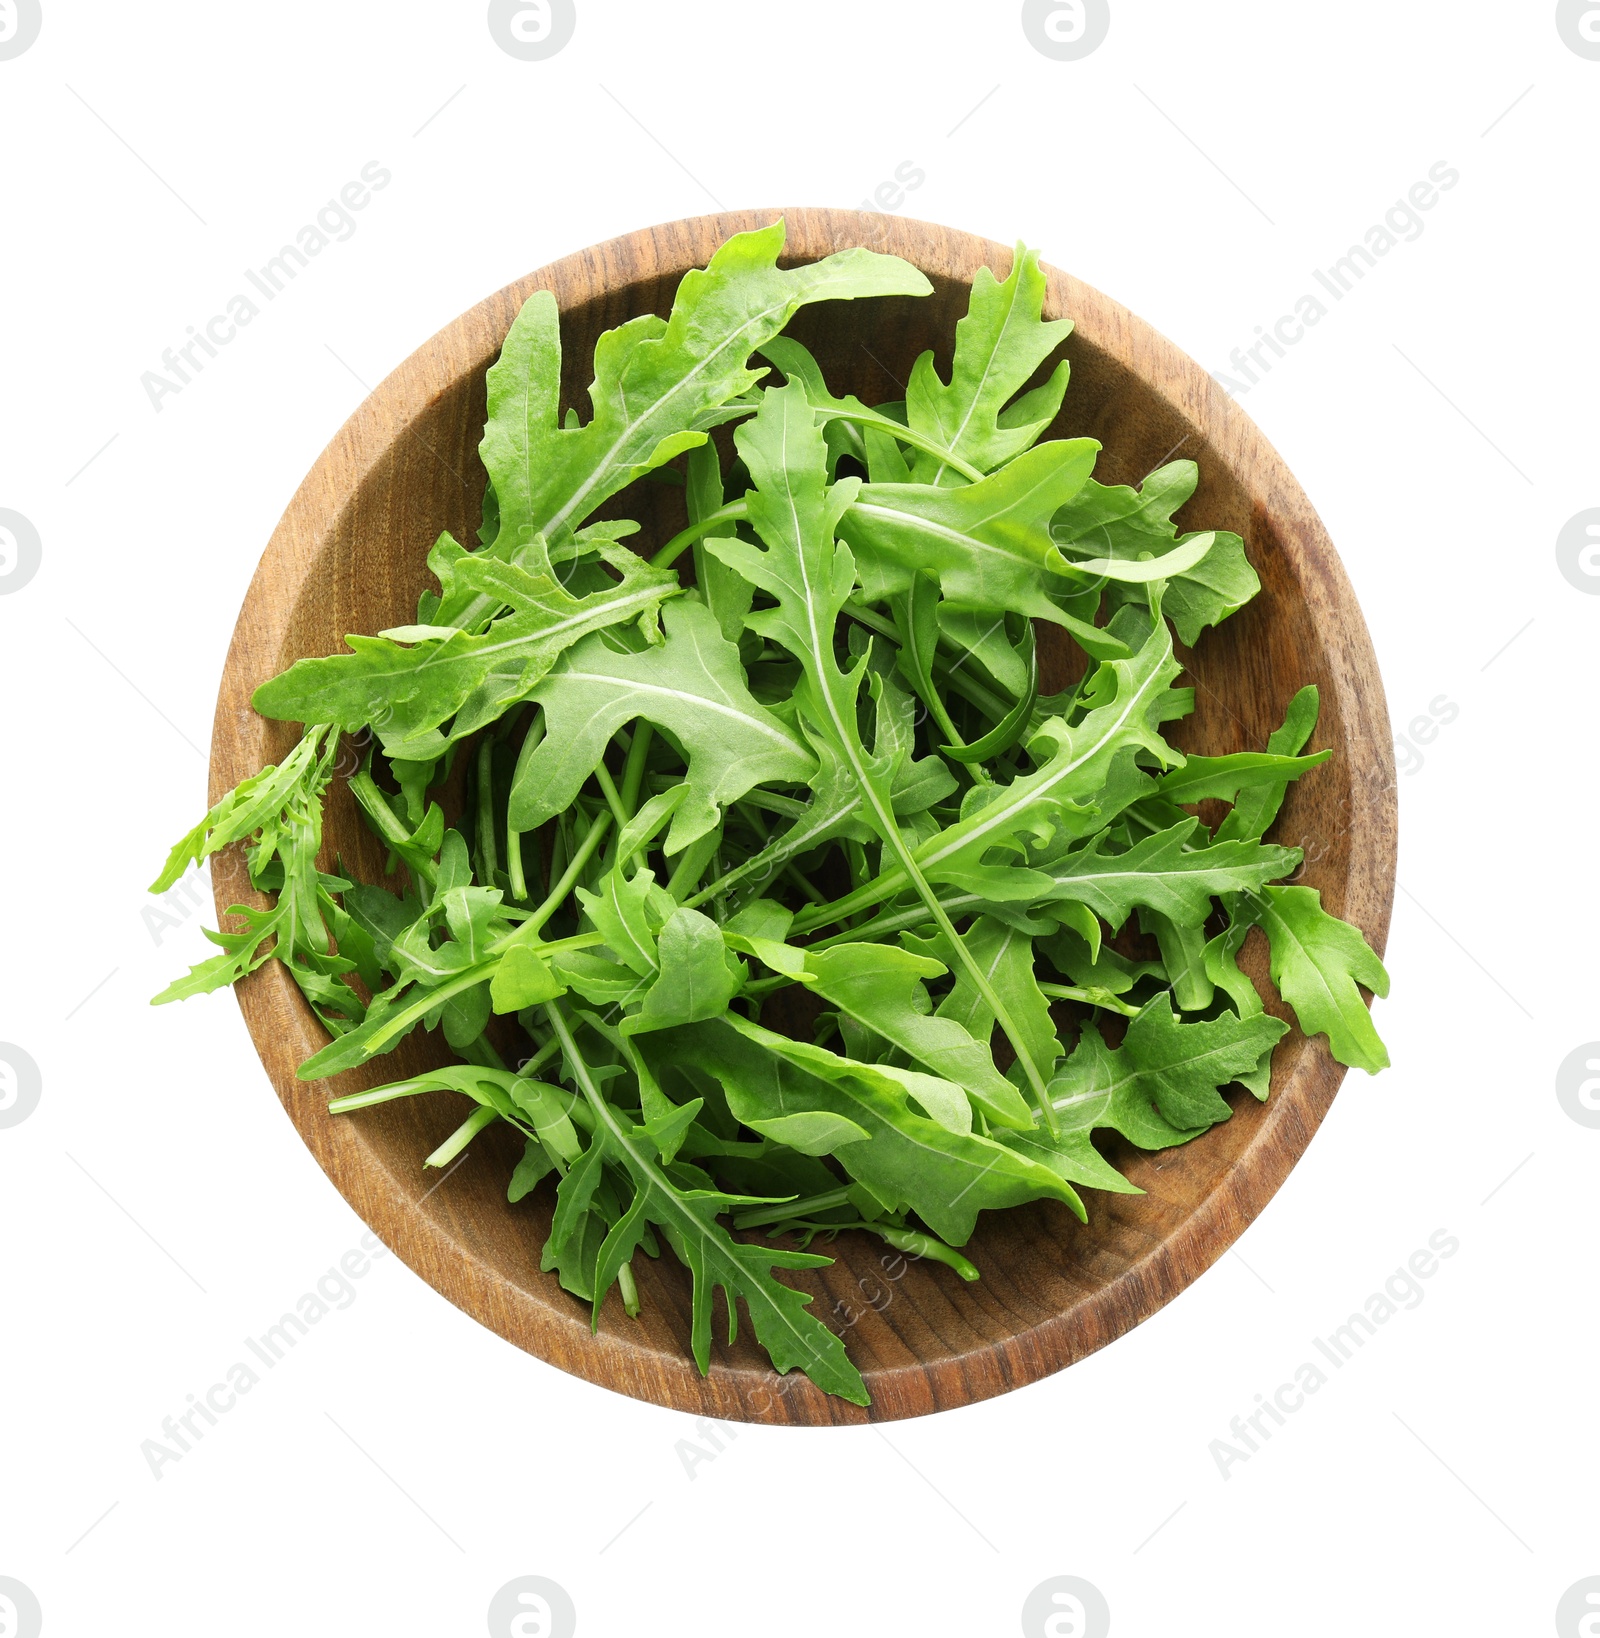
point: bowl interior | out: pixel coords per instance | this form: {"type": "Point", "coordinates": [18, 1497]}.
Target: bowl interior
{"type": "Point", "coordinates": [1051, 1290]}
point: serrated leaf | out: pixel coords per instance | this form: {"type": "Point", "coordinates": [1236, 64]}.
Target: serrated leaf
{"type": "Point", "coordinates": [791, 1335]}
{"type": "Point", "coordinates": [999, 345]}
{"type": "Point", "coordinates": [882, 987]}
{"type": "Point", "coordinates": [660, 384]}
{"type": "Point", "coordinates": [1256, 807]}
{"type": "Point", "coordinates": [1164, 873]}
{"type": "Point", "coordinates": [1180, 1066]}
{"type": "Point", "coordinates": [1123, 524]}
{"type": "Point", "coordinates": [1317, 962]}
{"type": "Point", "coordinates": [947, 1177]}
{"type": "Point", "coordinates": [693, 686]}
{"type": "Point", "coordinates": [1098, 1089]}
{"type": "Point", "coordinates": [410, 694]}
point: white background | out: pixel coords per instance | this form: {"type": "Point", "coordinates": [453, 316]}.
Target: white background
{"type": "Point", "coordinates": [403, 1463]}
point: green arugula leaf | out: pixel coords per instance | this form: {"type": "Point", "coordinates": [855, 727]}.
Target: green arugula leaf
{"type": "Point", "coordinates": [660, 384]}
{"type": "Point", "coordinates": [999, 345]}
{"type": "Point", "coordinates": [882, 987]}
{"type": "Point", "coordinates": [1164, 873]}
{"type": "Point", "coordinates": [1256, 807]}
{"type": "Point", "coordinates": [692, 686]}
{"type": "Point", "coordinates": [409, 693]}
{"type": "Point", "coordinates": [1180, 1066]}
{"type": "Point", "coordinates": [688, 1217]}
{"type": "Point", "coordinates": [987, 544]}
{"type": "Point", "coordinates": [946, 1176]}
{"type": "Point", "coordinates": [1317, 962]}
{"type": "Point", "coordinates": [796, 511]}
{"type": "Point", "coordinates": [1098, 1089]}
{"type": "Point", "coordinates": [1126, 525]}
{"type": "Point", "coordinates": [697, 977]}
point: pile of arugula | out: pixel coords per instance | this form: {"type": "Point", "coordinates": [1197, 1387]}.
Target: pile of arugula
{"type": "Point", "coordinates": [823, 764]}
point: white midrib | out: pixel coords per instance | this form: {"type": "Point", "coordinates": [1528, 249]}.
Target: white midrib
{"type": "Point", "coordinates": [988, 367]}
{"type": "Point", "coordinates": [603, 466]}
{"type": "Point", "coordinates": [687, 1223]}
{"type": "Point", "coordinates": [732, 712]}
{"type": "Point", "coordinates": [995, 815]}
{"type": "Point", "coordinates": [581, 617]}
{"type": "Point", "coordinates": [947, 531]}
{"type": "Point", "coordinates": [1113, 1087]}
{"type": "Point", "coordinates": [887, 826]}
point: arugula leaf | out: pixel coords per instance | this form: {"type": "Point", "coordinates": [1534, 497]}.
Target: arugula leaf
{"type": "Point", "coordinates": [946, 1176]}
{"type": "Point", "coordinates": [692, 686]}
{"type": "Point", "coordinates": [1317, 962]}
{"type": "Point", "coordinates": [1126, 525]}
{"type": "Point", "coordinates": [796, 511]}
{"type": "Point", "coordinates": [660, 384]}
{"type": "Point", "coordinates": [881, 987]}
{"type": "Point", "coordinates": [999, 345]}
{"type": "Point", "coordinates": [688, 1217]}
{"type": "Point", "coordinates": [409, 693]}
{"type": "Point", "coordinates": [1165, 873]}
{"type": "Point", "coordinates": [987, 544]}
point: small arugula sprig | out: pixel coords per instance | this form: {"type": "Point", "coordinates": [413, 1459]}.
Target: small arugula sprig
{"type": "Point", "coordinates": [802, 748]}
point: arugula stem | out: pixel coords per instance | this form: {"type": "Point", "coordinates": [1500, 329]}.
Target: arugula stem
{"type": "Point", "coordinates": [1090, 998]}
{"type": "Point", "coordinates": [514, 866]}
{"type": "Point", "coordinates": [558, 894]}
{"type": "Point", "coordinates": [848, 740]}
{"type": "Point", "coordinates": [487, 859]}
{"type": "Point", "coordinates": [916, 440]}
{"type": "Point", "coordinates": [634, 769]}
{"type": "Point", "coordinates": [375, 804]}
{"type": "Point", "coordinates": [613, 796]}
{"type": "Point", "coordinates": [462, 1136]}
{"type": "Point", "coordinates": [793, 1208]}
{"type": "Point", "coordinates": [674, 548]}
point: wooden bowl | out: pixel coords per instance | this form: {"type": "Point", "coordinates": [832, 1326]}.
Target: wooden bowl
{"type": "Point", "coordinates": [349, 557]}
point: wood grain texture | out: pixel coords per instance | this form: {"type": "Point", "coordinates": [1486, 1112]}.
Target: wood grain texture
{"type": "Point", "coordinates": [349, 556]}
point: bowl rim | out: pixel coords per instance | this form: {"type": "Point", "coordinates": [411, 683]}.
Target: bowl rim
{"type": "Point", "coordinates": [284, 1031]}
